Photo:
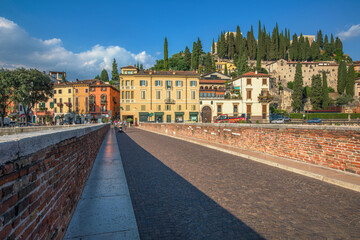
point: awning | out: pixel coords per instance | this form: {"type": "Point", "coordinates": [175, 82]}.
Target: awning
{"type": "Point", "coordinates": [159, 113]}
{"type": "Point", "coordinates": [179, 113]}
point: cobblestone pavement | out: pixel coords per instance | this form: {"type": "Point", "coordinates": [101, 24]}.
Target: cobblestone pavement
{"type": "Point", "coordinates": [182, 190]}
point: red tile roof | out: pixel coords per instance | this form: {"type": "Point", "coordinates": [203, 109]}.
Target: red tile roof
{"type": "Point", "coordinates": [132, 67]}
{"type": "Point", "coordinates": [253, 74]}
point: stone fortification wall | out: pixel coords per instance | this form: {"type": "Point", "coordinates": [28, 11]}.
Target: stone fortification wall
{"type": "Point", "coordinates": [335, 147]}
{"type": "Point", "coordinates": [42, 175]}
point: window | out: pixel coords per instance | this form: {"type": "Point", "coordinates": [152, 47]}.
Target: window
{"type": "Point", "coordinates": [60, 100]}
{"type": "Point", "coordinates": [76, 101]}
{"type": "Point", "coordinates": [178, 94]}
{"type": "Point", "coordinates": [179, 83]}
{"type": "Point", "coordinates": [86, 104]}
{"type": "Point", "coordinates": [92, 89]}
{"type": "Point", "coordinates": [103, 99]}
{"type": "Point", "coordinates": [76, 90]}
{"type": "Point", "coordinates": [127, 83]}
{"type": "Point", "coordinates": [168, 94]}
{"type": "Point", "coordinates": [248, 94]}
{"type": "Point", "coordinates": [264, 81]}
{"type": "Point", "coordinates": [168, 84]}
{"type": "Point", "coordinates": [69, 90]}
{"type": "Point", "coordinates": [127, 95]}
{"type": "Point", "coordinates": [219, 108]}
{"type": "Point", "coordinates": [86, 90]}
{"type": "Point", "coordinates": [60, 91]}
{"type": "Point", "coordinates": [122, 95]}
{"type": "Point", "coordinates": [122, 83]}
{"type": "Point", "coordinates": [69, 100]}
{"type": "Point", "coordinates": [158, 83]}
{"type": "Point", "coordinates": [103, 89]}
{"type": "Point", "coordinates": [143, 94]}
{"type": "Point", "coordinates": [132, 83]}
{"type": "Point", "coordinates": [193, 95]}
{"type": "Point", "coordinates": [55, 110]}
{"type": "Point", "coordinates": [158, 94]}
{"type": "Point", "coordinates": [127, 107]}
{"type": "Point", "coordinates": [143, 107]}
{"type": "Point", "coordinates": [193, 107]}
{"type": "Point", "coordinates": [193, 83]}
{"type": "Point", "coordinates": [248, 81]}
{"type": "Point", "coordinates": [235, 108]}
{"type": "Point", "coordinates": [168, 107]}
{"type": "Point", "coordinates": [54, 91]}
{"type": "Point", "coordinates": [142, 83]}
{"type": "Point", "coordinates": [159, 107]}
{"type": "Point", "coordinates": [132, 94]}
{"type": "Point", "coordinates": [179, 107]}
{"type": "Point", "coordinates": [103, 108]}
{"type": "Point", "coordinates": [54, 100]}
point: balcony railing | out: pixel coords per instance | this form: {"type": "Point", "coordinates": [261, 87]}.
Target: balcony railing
{"type": "Point", "coordinates": [127, 87]}
{"type": "Point", "coordinates": [169, 101]}
{"type": "Point", "coordinates": [103, 101]}
{"type": "Point", "coordinates": [127, 100]}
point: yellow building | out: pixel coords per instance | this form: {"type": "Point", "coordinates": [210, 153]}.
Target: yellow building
{"type": "Point", "coordinates": [63, 102]}
{"type": "Point", "coordinates": [160, 96]}
{"type": "Point", "coordinates": [220, 66]}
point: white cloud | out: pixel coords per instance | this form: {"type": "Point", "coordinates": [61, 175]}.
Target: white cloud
{"type": "Point", "coordinates": [18, 49]}
{"type": "Point", "coordinates": [353, 31]}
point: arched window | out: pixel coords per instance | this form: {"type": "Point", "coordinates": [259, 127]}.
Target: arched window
{"type": "Point", "coordinates": [206, 87]}
{"type": "Point", "coordinates": [201, 87]}
{"type": "Point", "coordinates": [92, 99]}
{"type": "Point", "coordinates": [103, 99]}
{"type": "Point", "coordinates": [215, 88]}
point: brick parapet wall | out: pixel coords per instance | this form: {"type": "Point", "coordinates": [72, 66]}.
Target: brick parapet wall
{"type": "Point", "coordinates": [41, 184]}
{"type": "Point", "coordinates": [335, 147]}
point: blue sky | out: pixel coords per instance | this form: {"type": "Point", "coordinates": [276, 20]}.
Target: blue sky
{"type": "Point", "coordinates": [82, 37]}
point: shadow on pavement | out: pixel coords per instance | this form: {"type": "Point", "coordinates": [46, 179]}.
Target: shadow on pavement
{"type": "Point", "coordinates": [167, 206]}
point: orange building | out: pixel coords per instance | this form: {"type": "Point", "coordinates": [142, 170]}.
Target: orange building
{"type": "Point", "coordinates": [104, 101]}
{"type": "Point", "coordinates": [81, 99]}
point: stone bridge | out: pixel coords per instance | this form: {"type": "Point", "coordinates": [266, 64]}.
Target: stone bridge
{"type": "Point", "coordinates": [181, 181]}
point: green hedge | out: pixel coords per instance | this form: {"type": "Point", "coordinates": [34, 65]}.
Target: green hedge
{"type": "Point", "coordinates": [325, 115]}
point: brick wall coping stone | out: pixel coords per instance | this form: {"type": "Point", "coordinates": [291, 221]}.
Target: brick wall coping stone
{"type": "Point", "coordinates": [19, 145]}
{"type": "Point", "coordinates": [19, 130]}
{"type": "Point", "coordinates": [270, 126]}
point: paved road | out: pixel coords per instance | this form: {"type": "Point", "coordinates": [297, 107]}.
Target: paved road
{"type": "Point", "coordinates": [181, 190]}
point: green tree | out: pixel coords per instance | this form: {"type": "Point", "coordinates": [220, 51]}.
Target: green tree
{"type": "Point", "coordinates": [319, 39]}
{"type": "Point", "coordinates": [213, 47]}
{"type": "Point", "coordinates": [251, 44]}
{"type": "Point", "coordinates": [141, 66]}
{"type": "Point", "coordinates": [114, 73]}
{"type": "Point", "coordinates": [290, 85]}
{"type": "Point", "coordinates": [194, 57]}
{"type": "Point", "coordinates": [341, 84]}
{"type": "Point", "coordinates": [350, 85]}
{"type": "Point", "coordinates": [242, 65]}
{"type": "Point", "coordinates": [298, 88]}
{"type": "Point", "coordinates": [208, 63]}
{"type": "Point", "coordinates": [97, 77]}
{"type": "Point", "coordinates": [31, 87]}
{"type": "Point", "coordinates": [231, 45]}
{"type": "Point", "coordinates": [226, 70]}
{"type": "Point", "coordinates": [104, 76]}
{"type": "Point", "coordinates": [316, 92]}
{"type": "Point", "coordinates": [6, 91]}
{"type": "Point", "coordinates": [325, 92]}
{"type": "Point", "coordinates": [238, 42]}
{"type": "Point", "coordinates": [166, 60]}
{"type": "Point", "coordinates": [187, 58]}
{"type": "Point", "coordinates": [63, 78]}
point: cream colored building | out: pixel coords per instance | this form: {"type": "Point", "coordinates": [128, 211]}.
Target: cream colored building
{"type": "Point", "coordinates": [63, 102]}
{"type": "Point", "coordinates": [284, 71]}
{"type": "Point", "coordinates": [160, 96]}
{"type": "Point", "coordinates": [220, 66]}
{"type": "Point", "coordinates": [254, 89]}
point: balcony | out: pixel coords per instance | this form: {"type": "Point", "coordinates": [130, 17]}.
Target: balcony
{"type": "Point", "coordinates": [103, 101]}
{"type": "Point", "coordinates": [127, 88]}
{"type": "Point", "coordinates": [169, 101]}
{"type": "Point", "coordinates": [265, 98]}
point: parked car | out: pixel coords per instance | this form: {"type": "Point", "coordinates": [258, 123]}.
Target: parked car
{"type": "Point", "coordinates": [279, 120]}
{"type": "Point", "coordinates": [314, 120]}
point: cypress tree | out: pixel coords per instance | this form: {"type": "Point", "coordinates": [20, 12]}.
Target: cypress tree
{"type": "Point", "coordinates": [226, 70]}
{"type": "Point", "coordinates": [104, 76]}
{"type": "Point", "coordinates": [316, 92]}
{"type": "Point", "coordinates": [187, 58]}
{"type": "Point", "coordinates": [319, 39]}
{"type": "Point", "coordinates": [199, 47]}
{"type": "Point", "coordinates": [166, 60]}
{"type": "Point", "coordinates": [314, 51]}
{"type": "Point", "coordinates": [231, 45]}
{"type": "Point", "coordinates": [222, 51]}
{"type": "Point", "coordinates": [97, 77]}
{"type": "Point", "coordinates": [251, 44]}
{"type": "Point", "coordinates": [294, 48]}
{"type": "Point", "coordinates": [332, 45]}
{"type": "Point", "coordinates": [208, 63]}
{"type": "Point", "coordinates": [341, 77]}
{"type": "Point", "coordinates": [194, 57]}
{"type": "Point", "coordinates": [325, 92]}
{"type": "Point", "coordinates": [114, 72]}
{"type": "Point", "coordinates": [242, 65]}
{"type": "Point", "coordinates": [350, 85]}
{"type": "Point", "coordinates": [338, 45]}
{"type": "Point", "coordinates": [301, 48]}
{"type": "Point", "coordinates": [298, 88]}
{"type": "Point", "coordinates": [307, 50]}
{"type": "Point", "coordinates": [238, 41]}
